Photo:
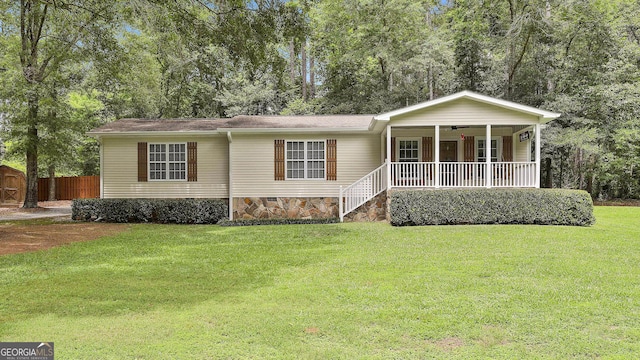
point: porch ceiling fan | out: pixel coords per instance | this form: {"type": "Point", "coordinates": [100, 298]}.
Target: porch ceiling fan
{"type": "Point", "coordinates": [459, 127]}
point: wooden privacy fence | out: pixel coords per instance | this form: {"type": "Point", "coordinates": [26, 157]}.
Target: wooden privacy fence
{"type": "Point", "coordinates": [69, 188]}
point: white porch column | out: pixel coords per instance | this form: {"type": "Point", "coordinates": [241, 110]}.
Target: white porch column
{"type": "Point", "coordinates": [488, 176]}
{"type": "Point", "coordinates": [437, 156]}
{"type": "Point", "coordinates": [538, 138]}
{"type": "Point", "coordinates": [230, 140]}
{"type": "Point", "coordinates": [388, 161]}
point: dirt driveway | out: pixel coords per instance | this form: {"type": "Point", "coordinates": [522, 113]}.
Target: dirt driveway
{"type": "Point", "coordinates": [17, 236]}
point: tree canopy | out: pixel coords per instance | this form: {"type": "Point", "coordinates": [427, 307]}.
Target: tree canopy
{"type": "Point", "coordinates": [69, 65]}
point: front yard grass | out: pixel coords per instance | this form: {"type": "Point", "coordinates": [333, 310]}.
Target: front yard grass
{"type": "Point", "coordinates": [334, 291]}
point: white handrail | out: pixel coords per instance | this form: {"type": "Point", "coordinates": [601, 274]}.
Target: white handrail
{"type": "Point", "coordinates": [362, 190]}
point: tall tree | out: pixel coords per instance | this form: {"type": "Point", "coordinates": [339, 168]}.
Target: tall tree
{"type": "Point", "coordinates": [49, 35]}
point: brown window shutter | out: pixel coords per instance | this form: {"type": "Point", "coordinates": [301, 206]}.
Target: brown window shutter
{"type": "Point", "coordinates": [332, 159]}
{"type": "Point", "coordinates": [469, 149]}
{"type": "Point", "coordinates": [507, 148]}
{"type": "Point", "coordinates": [427, 149]}
{"type": "Point", "coordinates": [393, 149]}
{"type": "Point", "coordinates": [192, 161]}
{"type": "Point", "coordinates": [279, 159]}
{"type": "Point", "coordinates": [142, 161]}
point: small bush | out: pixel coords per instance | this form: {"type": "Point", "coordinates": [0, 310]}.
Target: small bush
{"type": "Point", "coordinates": [492, 206]}
{"type": "Point", "coordinates": [252, 222]}
{"type": "Point", "coordinates": [176, 211]}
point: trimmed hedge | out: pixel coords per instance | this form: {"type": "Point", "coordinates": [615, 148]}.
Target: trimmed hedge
{"type": "Point", "coordinates": [252, 222]}
{"type": "Point", "coordinates": [492, 206]}
{"type": "Point", "coordinates": [176, 211]}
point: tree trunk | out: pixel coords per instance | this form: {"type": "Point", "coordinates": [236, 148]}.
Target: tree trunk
{"type": "Point", "coordinates": [52, 182]}
{"type": "Point", "coordinates": [31, 199]}
{"type": "Point", "coordinates": [303, 70]}
{"type": "Point", "coordinates": [312, 77]}
{"type": "Point", "coordinates": [292, 61]}
{"type": "Point", "coordinates": [549, 174]}
{"type": "Point", "coordinates": [430, 81]}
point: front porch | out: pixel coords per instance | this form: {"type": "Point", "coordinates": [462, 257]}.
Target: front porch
{"type": "Point", "coordinates": [464, 140]}
{"type": "Point", "coordinates": [450, 156]}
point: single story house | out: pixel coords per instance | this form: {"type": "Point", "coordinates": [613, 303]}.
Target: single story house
{"type": "Point", "coordinates": [325, 165]}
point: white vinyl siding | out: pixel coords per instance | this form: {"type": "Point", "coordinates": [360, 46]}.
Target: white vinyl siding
{"type": "Point", "coordinates": [253, 165]}
{"type": "Point", "coordinates": [522, 149]}
{"type": "Point", "coordinates": [120, 164]}
{"type": "Point", "coordinates": [464, 112]}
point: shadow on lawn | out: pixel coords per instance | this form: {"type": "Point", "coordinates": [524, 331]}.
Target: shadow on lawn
{"type": "Point", "coordinates": [155, 266]}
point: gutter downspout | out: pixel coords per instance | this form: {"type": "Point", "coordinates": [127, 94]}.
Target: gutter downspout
{"type": "Point", "coordinates": [101, 167]}
{"type": "Point", "coordinates": [230, 186]}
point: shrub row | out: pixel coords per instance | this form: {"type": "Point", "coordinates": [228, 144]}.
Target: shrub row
{"type": "Point", "coordinates": [252, 222]}
{"type": "Point", "coordinates": [177, 211]}
{"type": "Point", "coordinates": [492, 206]}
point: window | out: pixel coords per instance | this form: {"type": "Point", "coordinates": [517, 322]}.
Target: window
{"type": "Point", "coordinates": [408, 151]}
{"type": "Point", "coordinates": [482, 151]}
{"type": "Point", "coordinates": [167, 161]}
{"type": "Point", "coordinates": [305, 159]}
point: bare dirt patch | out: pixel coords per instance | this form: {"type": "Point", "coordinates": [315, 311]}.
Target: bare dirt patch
{"type": "Point", "coordinates": [618, 202]}
{"type": "Point", "coordinates": [42, 206]}
{"type": "Point", "coordinates": [18, 238]}
{"type": "Point", "coordinates": [448, 344]}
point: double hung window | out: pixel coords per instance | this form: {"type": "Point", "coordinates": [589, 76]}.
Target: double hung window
{"type": "Point", "coordinates": [408, 151]}
{"type": "Point", "coordinates": [168, 161]}
{"type": "Point", "coordinates": [305, 159]}
{"type": "Point", "coordinates": [482, 150]}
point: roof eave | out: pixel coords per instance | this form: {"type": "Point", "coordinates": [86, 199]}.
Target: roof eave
{"type": "Point", "coordinates": [97, 134]}
{"type": "Point", "coordinates": [296, 130]}
{"type": "Point", "coordinates": [224, 131]}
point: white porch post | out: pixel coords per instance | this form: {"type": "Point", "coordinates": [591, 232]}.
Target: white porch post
{"type": "Point", "coordinates": [538, 138]}
{"type": "Point", "coordinates": [488, 177]}
{"type": "Point", "coordinates": [230, 140]}
{"type": "Point", "coordinates": [437, 156]}
{"type": "Point", "coordinates": [389, 181]}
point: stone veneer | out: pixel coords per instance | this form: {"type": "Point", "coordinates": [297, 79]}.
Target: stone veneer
{"type": "Point", "coordinates": [373, 210]}
{"type": "Point", "coordinates": [308, 208]}
{"type": "Point", "coordinates": [283, 207]}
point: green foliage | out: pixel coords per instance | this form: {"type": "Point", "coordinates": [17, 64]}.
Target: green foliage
{"type": "Point", "coordinates": [492, 206]}
{"type": "Point", "coordinates": [159, 59]}
{"type": "Point", "coordinates": [174, 211]}
{"type": "Point", "coordinates": [254, 222]}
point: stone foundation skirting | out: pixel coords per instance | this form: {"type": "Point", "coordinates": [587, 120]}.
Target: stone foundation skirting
{"type": "Point", "coordinates": [373, 210]}
{"type": "Point", "coordinates": [285, 207]}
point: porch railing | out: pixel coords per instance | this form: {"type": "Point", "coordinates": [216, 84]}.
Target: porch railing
{"type": "Point", "coordinates": [363, 190]}
{"type": "Point", "coordinates": [462, 174]}
{"type": "Point", "coordinates": [514, 174]}
{"type": "Point", "coordinates": [424, 174]}
{"type": "Point", "coordinates": [413, 174]}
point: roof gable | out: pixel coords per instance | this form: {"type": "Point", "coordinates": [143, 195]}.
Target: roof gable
{"type": "Point", "coordinates": [543, 115]}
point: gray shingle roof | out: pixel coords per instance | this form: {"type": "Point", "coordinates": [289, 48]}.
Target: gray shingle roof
{"type": "Point", "coordinates": [237, 122]}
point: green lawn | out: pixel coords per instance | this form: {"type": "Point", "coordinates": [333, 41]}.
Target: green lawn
{"type": "Point", "coordinates": [334, 291]}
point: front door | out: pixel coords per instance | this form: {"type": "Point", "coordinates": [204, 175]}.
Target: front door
{"type": "Point", "coordinates": [448, 154]}
{"type": "Point", "coordinates": [448, 151]}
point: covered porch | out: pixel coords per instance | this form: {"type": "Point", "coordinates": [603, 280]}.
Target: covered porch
{"type": "Point", "coordinates": [453, 156]}
{"type": "Point", "coordinates": [465, 140]}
